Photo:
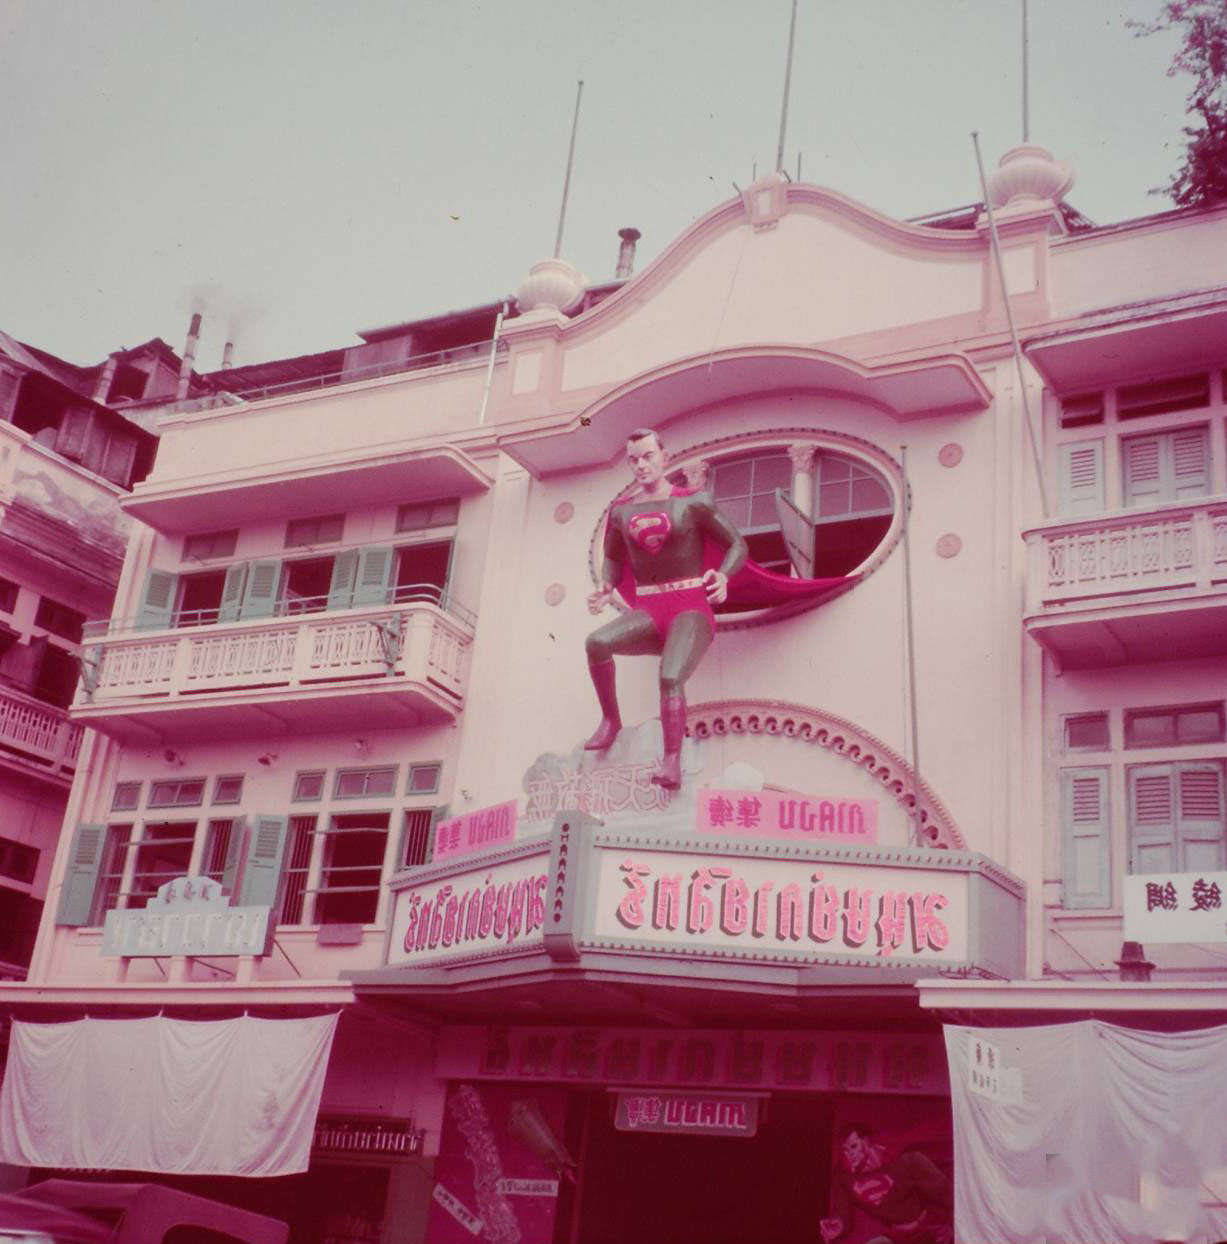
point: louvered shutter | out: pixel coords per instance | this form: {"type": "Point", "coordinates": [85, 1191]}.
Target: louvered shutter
{"type": "Point", "coordinates": [417, 835]}
{"type": "Point", "coordinates": [1082, 477]}
{"type": "Point", "coordinates": [1199, 790]}
{"type": "Point", "coordinates": [1144, 472]}
{"type": "Point", "coordinates": [262, 871]}
{"type": "Point", "coordinates": [157, 607]}
{"type": "Point", "coordinates": [1190, 466]}
{"type": "Point", "coordinates": [232, 592]}
{"type": "Point", "coordinates": [374, 575]}
{"type": "Point", "coordinates": [118, 456]}
{"type": "Point", "coordinates": [1086, 870]}
{"type": "Point", "coordinates": [81, 876]}
{"type": "Point", "coordinates": [344, 572]}
{"type": "Point", "coordinates": [260, 592]}
{"type": "Point", "coordinates": [234, 853]}
{"type": "Point", "coordinates": [73, 435]}
{"type": "Point", "coordinates": [1152, 819]}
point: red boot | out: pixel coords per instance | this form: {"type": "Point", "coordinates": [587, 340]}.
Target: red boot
{"type": "Point", "coordinates": [607, 697]}
{"type": "Point", "coordinates": [673, 727]}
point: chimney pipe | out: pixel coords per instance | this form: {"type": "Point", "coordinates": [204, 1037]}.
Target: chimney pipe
{"type": "Point", "coordinates": [227, 355]}
{"type": "Point", "coordinates": [1133, 964]}
{"type": "Point", "coordinates": [103, 387]}
{"type": "Point", "coordinates": [626, 253]}
{"type": "Point", "coordinates": [189, 358]}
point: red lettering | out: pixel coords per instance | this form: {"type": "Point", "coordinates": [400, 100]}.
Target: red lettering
{"type": "Point", "coordinates": [668, 911]}
{"type": "Point", "coordinates": [734, 906]}
{"type": "Point", "coordinates": [858, 918]}
{"type": "Point", "coordinates": [823, 911]}
{"type": "Point", "coordinates": [790, 913]}
{"type": "Point", "coordinates": [928, 929]}
{"type": "Point", "coordinates": [762, 908]}
{"type": "Point", "coordinates": [630, 909]}
{"type": "Point", "coordinates": [892, 922]}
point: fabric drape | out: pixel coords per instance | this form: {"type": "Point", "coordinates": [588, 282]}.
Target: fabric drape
{"type": "Point", "coordinates": [1109, 1134]}
{"type": "Point", "coordinates": [225, 1097]}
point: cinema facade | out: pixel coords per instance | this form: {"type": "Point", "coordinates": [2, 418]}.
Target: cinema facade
{"type": "Point", "coordinates": [336, 799]}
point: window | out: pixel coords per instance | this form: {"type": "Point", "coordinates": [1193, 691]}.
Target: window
{"type": "Point", "coordinates": [1087, 732]}
{"type": "Point", "coordinates": [420, 515]}
{"type": "Point", "coordinates": [59, 619]}
{"type": "Point", "coordinates": [424, 779]}
{"type": "Point", "coordinates": [217, 848]}
{"type": "Point", "coordinates": [295, 870]}
{"type": "Point", "coordinates": [352, 867]}
{"type": "Point", "coordinates": [422, 572]}
{"type": "Point", "coordinates": [1081, 411]}
{"type": "Point", "coordinates": [418, 824]}
{"type": "Point", "coordinates": [184, 794]}
{"type": "Point", "coordinates": [325, 529]}
{"type": "Point", "coordinates": [1176, 821]}
{"type": "Point", "coordinates": [200, 598]}
{"type": "Point", "coordinates": [1086, 847]}
{"type": "Point", "coordinates": [163, 852]}
{"type": "Point", "coordinates": [17, 860]}
{"type": "Point", "coordinates": [745, 490]}
{"type": "Point", "coordinates": [127, 796]}
{"type": "Point", "coordinates": [228, 789]}
{"type": "Point", "coordinates": [1166, 466]}
{"type": "Point", "coordinates": [852, 512]}
{"type": "Point", "coordinates": [364, 783]}
{"type": "Point", "coordinates": [305, 585]}
{"type": "Point", "coordinates": [1168, 727]}
{"type": "Point", "coordinates": [8, 595]}
{"type": "Point", "coordinates": [58, 674]}
{"type": "Point", "coordinates": [1162, 397]}
{"type": "Point", "coordinates": [309, 785]}
{"type": "Point", "coordinates": [209, 544]}
{"type": "Point", "coordinates": [19, 917]}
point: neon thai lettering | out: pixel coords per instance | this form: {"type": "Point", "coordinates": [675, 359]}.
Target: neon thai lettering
{"type": "Point", "coordinates": [486, 912]}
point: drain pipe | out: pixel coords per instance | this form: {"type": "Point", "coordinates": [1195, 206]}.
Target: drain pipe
{"type": "Point", "coordinates": [485, 393]}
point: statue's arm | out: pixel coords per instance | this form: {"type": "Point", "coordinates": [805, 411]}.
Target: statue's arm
{"type": "Point", "coordinates": [614, 556]}
{"type": "Point", "coordinates": [722, 530]}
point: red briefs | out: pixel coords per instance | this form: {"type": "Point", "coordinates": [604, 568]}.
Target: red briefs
{"type": "Point", "coordinates": [662, 602]}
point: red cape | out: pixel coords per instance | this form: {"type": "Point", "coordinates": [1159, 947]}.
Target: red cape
{"type": "Point", "coordinates": [753, 586]}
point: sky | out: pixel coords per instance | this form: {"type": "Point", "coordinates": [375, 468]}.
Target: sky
{"type": "Point", "coordinates": [300, 171]}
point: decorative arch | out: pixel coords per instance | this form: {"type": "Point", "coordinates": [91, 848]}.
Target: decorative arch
{"type": "Point", "coordinates": [837, 735]}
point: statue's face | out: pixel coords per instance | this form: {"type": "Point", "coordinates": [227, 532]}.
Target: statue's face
{"type": "Point", "coordinates": [646, 460]}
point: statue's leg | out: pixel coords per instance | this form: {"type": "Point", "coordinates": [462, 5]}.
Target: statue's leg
{"type": "Point", "coordinates": [690, 636]}
{"type": "Point", "coordinates": [630, 634]}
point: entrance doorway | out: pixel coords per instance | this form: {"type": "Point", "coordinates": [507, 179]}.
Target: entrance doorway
{"type": "Point", "coordinates": [679, 1189]}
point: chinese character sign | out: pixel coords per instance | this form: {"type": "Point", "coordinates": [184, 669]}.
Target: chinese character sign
{"type": "Point", "coordinates": [1176, 907]}
{"type": "Point", "coordinates": [476, 831]}
{"type": "Point", "coordinates": [773, 814]}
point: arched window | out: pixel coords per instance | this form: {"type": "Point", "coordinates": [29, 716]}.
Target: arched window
{"type": "Point", "coordinates": [744, 488]}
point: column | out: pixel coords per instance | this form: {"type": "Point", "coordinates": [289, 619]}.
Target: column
{"type": "Point", "coordinates": [803, 459]}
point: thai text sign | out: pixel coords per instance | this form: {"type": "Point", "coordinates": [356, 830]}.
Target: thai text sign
{"type": "Point", "coordinates": [1175, 907]}
{"type": "Point", "coordinates": [771, 814]}
{"type": "Point", "coordinates": [778, 908]}
{"type": "Point", "coordinates": [696, 1114]}
{"type": "Point", "coordinates": [695, 1059]}
{"type": "Point", "coordinates": [476, 831]}
{"type": "Point", "coordinates": [482, 911]}
{"type": "Point", "coordinates": [187, 916]}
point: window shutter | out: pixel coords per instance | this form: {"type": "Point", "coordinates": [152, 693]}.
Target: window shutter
{"type": "Point", "coordinates": [1086, 871]}
{"type": "Point", "coordinates": [1190, 463]}
{"type": "Point", "coordinates": [81, 877]}
{"type": "Point", "coordinates": [1152, 819]}
{"type": "Point", "coordinates": [232, 592]}
{"type": "Point", "coordinates": [262, 872]}
{"type": "Point", "coordinates": [1143, 471]}
{"type": "Point", "coordinates": [234, 853]}
{"type": "Point", "coordinates": [158, 603]}
{"type": "Point", "coordinates": [374, 575]}
{"type": "Point", "coordinates": [1199, 790]}
{"type": "Point", "coordinates": [1082, 477]}
{"type": "Point", "coordinates": [260, 592]}
{"type": "Point", "coordinates": [118, 457]}
{"type": "Point", "coordinates": [74, 432]}
{"type": "Point", "coordinates": [344, 572]}
{"type": "Point", "coordinates": [417, 834]}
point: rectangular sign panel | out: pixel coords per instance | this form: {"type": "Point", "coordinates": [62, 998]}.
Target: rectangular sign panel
{"type": "Point", "coordinates": [694, 1114]}
{"type": "Point", "coordinates": [777, 909]}
{"type": "Point", "coordinates": [799, 818]}
{"type": "Point", "coordinates": [1175, 907]}
{"type": "Point", "coordinates": [187, 916]}
{"type": "Point", "coordinates": [476, 831]}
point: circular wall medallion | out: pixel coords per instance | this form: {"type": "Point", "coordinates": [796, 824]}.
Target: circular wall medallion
{"type": "Point", "coordinates": [950, 455]}
{"type": "Point", "coordinates": [949, 545]}
{"type": "Point", "coordinates": [555, 594]}
{"type": "Point", "coordinates": [563, 512]}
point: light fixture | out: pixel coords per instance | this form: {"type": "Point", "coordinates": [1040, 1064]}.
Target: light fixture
{"type": "Point", "coordinates": [267, 759]}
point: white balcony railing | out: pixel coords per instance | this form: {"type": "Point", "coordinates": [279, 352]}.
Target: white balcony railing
{"type": "Point", "coordinates": [37, 730]}
{"type": "Point", "coordinates": [1168, 548]}
{"type": "Point", "coordinates": [417, 643]}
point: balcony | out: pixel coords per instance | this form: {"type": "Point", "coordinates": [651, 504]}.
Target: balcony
{"type": "Point", "coordinates": [375, 667]}
{"type": "Point", "coordinates": [1144, 585]}
{"type": "Point", "coordinates": [37, 735]}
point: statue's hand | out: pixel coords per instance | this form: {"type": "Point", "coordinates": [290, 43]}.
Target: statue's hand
{"type": "Point", "coordinates": [599, 599]}
{"type": "Point", "coordinates": [830, 1227]}
{"type": "Point", "coordinates": [716, 584]}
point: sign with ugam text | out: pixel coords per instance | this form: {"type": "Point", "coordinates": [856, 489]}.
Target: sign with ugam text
{"type": "Point", "coordinates": [774, 814]}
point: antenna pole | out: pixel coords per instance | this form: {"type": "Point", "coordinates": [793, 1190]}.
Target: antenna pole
{"type": "Point", "coordinates": [1026, 104]}
{"type": "Point", "coordinates": [566, 185]}
{"type": "Point", "coordinates": [792, 31]}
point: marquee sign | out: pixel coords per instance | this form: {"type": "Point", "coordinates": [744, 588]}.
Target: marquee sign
{"type": "Point", "coordinates": [188, 916]}
{"type": "Point", "coordinates": [693, 1114]}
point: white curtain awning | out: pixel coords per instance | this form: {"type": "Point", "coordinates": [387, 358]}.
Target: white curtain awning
{"type": "Point", "coordinates": [183, 1097]}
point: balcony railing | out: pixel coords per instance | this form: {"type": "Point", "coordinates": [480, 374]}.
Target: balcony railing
{"type": "Point", "coordinates": [411, 643]}
{"type": "Point", "coordinates": [1169, 548]}
{"type": "Point", "coordinates": [38, 731]}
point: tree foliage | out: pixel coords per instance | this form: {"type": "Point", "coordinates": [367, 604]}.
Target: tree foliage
{"type": "Point", "coordinates": [1202, 24]}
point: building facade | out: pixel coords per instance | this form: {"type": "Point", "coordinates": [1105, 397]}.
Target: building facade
{"type": "Point", "coordinates": [344, 683]}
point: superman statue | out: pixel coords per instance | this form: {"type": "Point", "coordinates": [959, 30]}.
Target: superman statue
{"type": "Point", "coordinates": [673, 556]}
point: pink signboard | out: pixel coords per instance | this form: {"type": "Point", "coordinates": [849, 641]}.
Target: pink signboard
{"type": "Point", "coordinates": [476, 831]}
{"type": "Point", "coordinates": [798, 818]}
{"type": "Point", "coordinates": [693, 1114]}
